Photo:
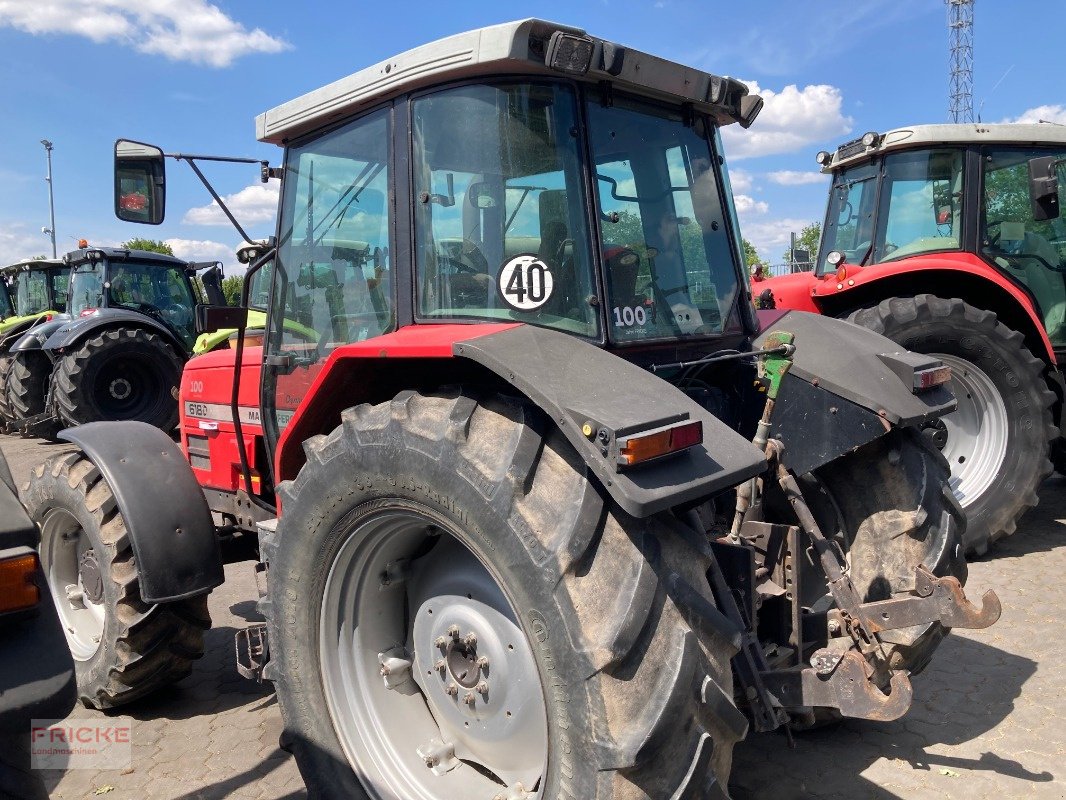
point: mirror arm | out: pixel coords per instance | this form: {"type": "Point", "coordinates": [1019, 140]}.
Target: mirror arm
{"type": "Point", "coordinates": [211, 189]}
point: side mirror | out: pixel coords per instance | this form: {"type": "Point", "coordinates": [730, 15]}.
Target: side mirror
{"type": "Point", "coordinates": [216, 318]}
{"type": "Point", "coordinates": [140, 183]}
{"type": "Point", "coordinates": [1044, 187]}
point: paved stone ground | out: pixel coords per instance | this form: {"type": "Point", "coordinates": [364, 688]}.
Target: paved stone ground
{"type": "Point", "coordinates": [989, 718]}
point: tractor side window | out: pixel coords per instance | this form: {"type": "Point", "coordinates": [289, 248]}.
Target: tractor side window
{"type": "Point", "coordinates": [920, 209]}
{"type": "Point", "coordinates": [6, 310]}
{"type": "Point", "coordinates": [60, 278]}
{"type": "Point", "coordinates": [1033, 252]}
{"type": "Point", "coordinates": [667, 248]}
{"type": "Point", "coordinates": [160, 291]}
{"type": "Point", "coordinates": [501, 226]}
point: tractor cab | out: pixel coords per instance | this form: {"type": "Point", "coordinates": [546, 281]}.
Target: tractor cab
{"type": "Point", "coordinates": [946, 191]}
{"type": "Point", "coordinates": [32, 289]}
{"type": "Point", "coordinates": [157, 285]}
{"type": "Point", "coordinates": [548, 199]}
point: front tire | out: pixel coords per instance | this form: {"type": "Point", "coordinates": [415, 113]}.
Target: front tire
{"type": "Point", "coordinates": [482, 513]}
{"type": "Point", "coordinates": [997, 441]}
{"type": "Point", "coordinates": [7, 361]}
{"type": "Point", "coordinates": [119, 374]}
{"type": "Point", "coordinates": [27, 391]}
{"type": "Point", "coordinates": [123, 648]}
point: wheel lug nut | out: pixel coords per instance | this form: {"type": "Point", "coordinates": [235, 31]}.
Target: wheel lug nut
{"type": "Point", "coordinates": [470, 640]}
{"type": "Point", "coordinates": [483, 664]}
{"type": "Point", "coordinates": [470, 699]}
{"type": "Point", "coordinates": [440, 665]}
{"type": "Point", "coordinates": [483, 688]}
{"type": "Point", "coordinates": [440, 642]}
{"type": "Point", "coordinates": [452, 689]}
{"type": "Point", "coordinates": [453, 631]}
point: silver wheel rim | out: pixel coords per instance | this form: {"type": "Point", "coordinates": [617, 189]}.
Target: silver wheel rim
{"type": "Point", "coordinates": [976, 431]}
{"type": "Point", "coordinates": [66, 557]}
{"type": "Point", "coordinates": [430, 682]}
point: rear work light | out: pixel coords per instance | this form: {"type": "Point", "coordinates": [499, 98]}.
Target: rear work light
{"type": "Point", "coordinates": [637, 449]}
{"type": "Point", "coordinates": [929, 378]}
{"type": "Point", "coordinates": [18, 582]}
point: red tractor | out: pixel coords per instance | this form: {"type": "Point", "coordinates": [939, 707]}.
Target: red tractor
{"type": "Point", "coordinates": [948, 240]}
{"type": "Point", "coordinates": [542, 509]}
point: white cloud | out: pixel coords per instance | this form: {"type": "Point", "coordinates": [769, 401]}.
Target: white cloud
{"type": "Point", "coordinates": [749, 205]}
{"type": "Point", "coordinates": [791, 177]}
{"type": "Point", "coordinates": [207, 250]}
{"type": "Point", "coordinates": [181, 30]}
{"type": "Point", "coordinates": [1054, 113]}
{"type": "Point", "coordinates": [740, 180]}
{"type": "Point", "coordinates": [17, 243]}
{"type": "Point", "coordinates": [771, 236]}
{"type": "Point", "coordinates": [252, 204]}
{"type": "Point", "coordinates": [791, 120]}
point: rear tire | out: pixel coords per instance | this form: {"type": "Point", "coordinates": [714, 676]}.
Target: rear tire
{"type": "Point", "coordinates": [635, 695]}
{"type": "Point", "coordinates": [119, 374]}
{"type": "Point", "coordinates": [998, 440]}
{"type": "Point", "coordinates": [123, 648]}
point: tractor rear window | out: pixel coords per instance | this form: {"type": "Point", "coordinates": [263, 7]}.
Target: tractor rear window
{"type": "Point", "coordinates": [501, 226]}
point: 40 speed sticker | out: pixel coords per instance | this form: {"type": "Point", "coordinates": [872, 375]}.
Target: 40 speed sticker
{"type": "Point", "coordinates": [525, 282]}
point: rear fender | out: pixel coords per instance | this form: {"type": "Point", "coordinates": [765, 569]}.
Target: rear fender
{"type": "Point", "coordinates": [74, 331]}
{"type": "Point", "coordinates": [572, 381]}
{"type": "Point", "coordinates": [961, 275]}
{"type": "Point", "coordinates": [35, 337]}
{"type": "Point", "coordinates": [167, 518]}
{"type": "Point", "coordinates": [846, 387]}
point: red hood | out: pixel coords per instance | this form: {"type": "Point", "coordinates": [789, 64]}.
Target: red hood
{"type": "Point", "coordinates": [789, 291]}
{"type": "Point", "coordinates": [226, 357]}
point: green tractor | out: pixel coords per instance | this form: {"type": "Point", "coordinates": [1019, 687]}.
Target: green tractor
{"type": "Point", "coordinates": [31, 293]}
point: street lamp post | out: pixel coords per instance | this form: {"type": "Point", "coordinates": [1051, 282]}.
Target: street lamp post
{"type": "Point", "coordinates": [51, 231]}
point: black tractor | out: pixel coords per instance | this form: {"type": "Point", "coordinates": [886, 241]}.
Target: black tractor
{"type": "Point", "coordinates": [118, 354]}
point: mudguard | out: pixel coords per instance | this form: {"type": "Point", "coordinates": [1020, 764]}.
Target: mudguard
{"type": "Point", "coordinates": [74, 330]}
{"type": "Point", "coordinates": [35, 337]}
{"type": "Point", "coordinates": [577, 383]}
{"type": "Point", "coordinates": [166, 515]}
{"type": "Point", "coordinates": [858, 365]}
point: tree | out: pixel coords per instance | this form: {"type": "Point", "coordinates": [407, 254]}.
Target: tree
{"type": "Point", "coordinates": [807, 239]}
{"type": "Point", "coordinates": [231, 288]}
{"type": "Point", "coordinates": [151, 245]}
{"type": "Point", "coordinates": [752, 259]}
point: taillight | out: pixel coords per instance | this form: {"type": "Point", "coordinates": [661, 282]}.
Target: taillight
{"type": "Point", "coordinates": [88, 312]}
{"type": "Point", "coordinates": [929, 378]}
{"type": "Point", "coordinates": [655, 444]}
{"type": "Point", "coordinates": [18, 582]}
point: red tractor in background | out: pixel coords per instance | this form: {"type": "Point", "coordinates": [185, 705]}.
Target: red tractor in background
{"type": "Point", "coordinates": [542, 508]}
{"type": "Point", "coordinates": [948, 239]}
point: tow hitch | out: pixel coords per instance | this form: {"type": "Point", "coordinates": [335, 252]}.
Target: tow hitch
{"type": "Point", "coordinates": [855, 677]}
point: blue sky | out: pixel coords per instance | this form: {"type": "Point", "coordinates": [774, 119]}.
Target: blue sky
{"type": "Point", "coordinates": [190, 76]}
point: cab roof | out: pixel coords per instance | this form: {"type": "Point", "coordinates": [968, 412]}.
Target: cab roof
{"type": "Point", "coordinates": [919, 136]}
{"type": "Point", "coordinates": [121, 254]}
{"type": "Point", "coordinates": [33, 263]}
{"type": "Point", "coordinates": [521, 47]}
